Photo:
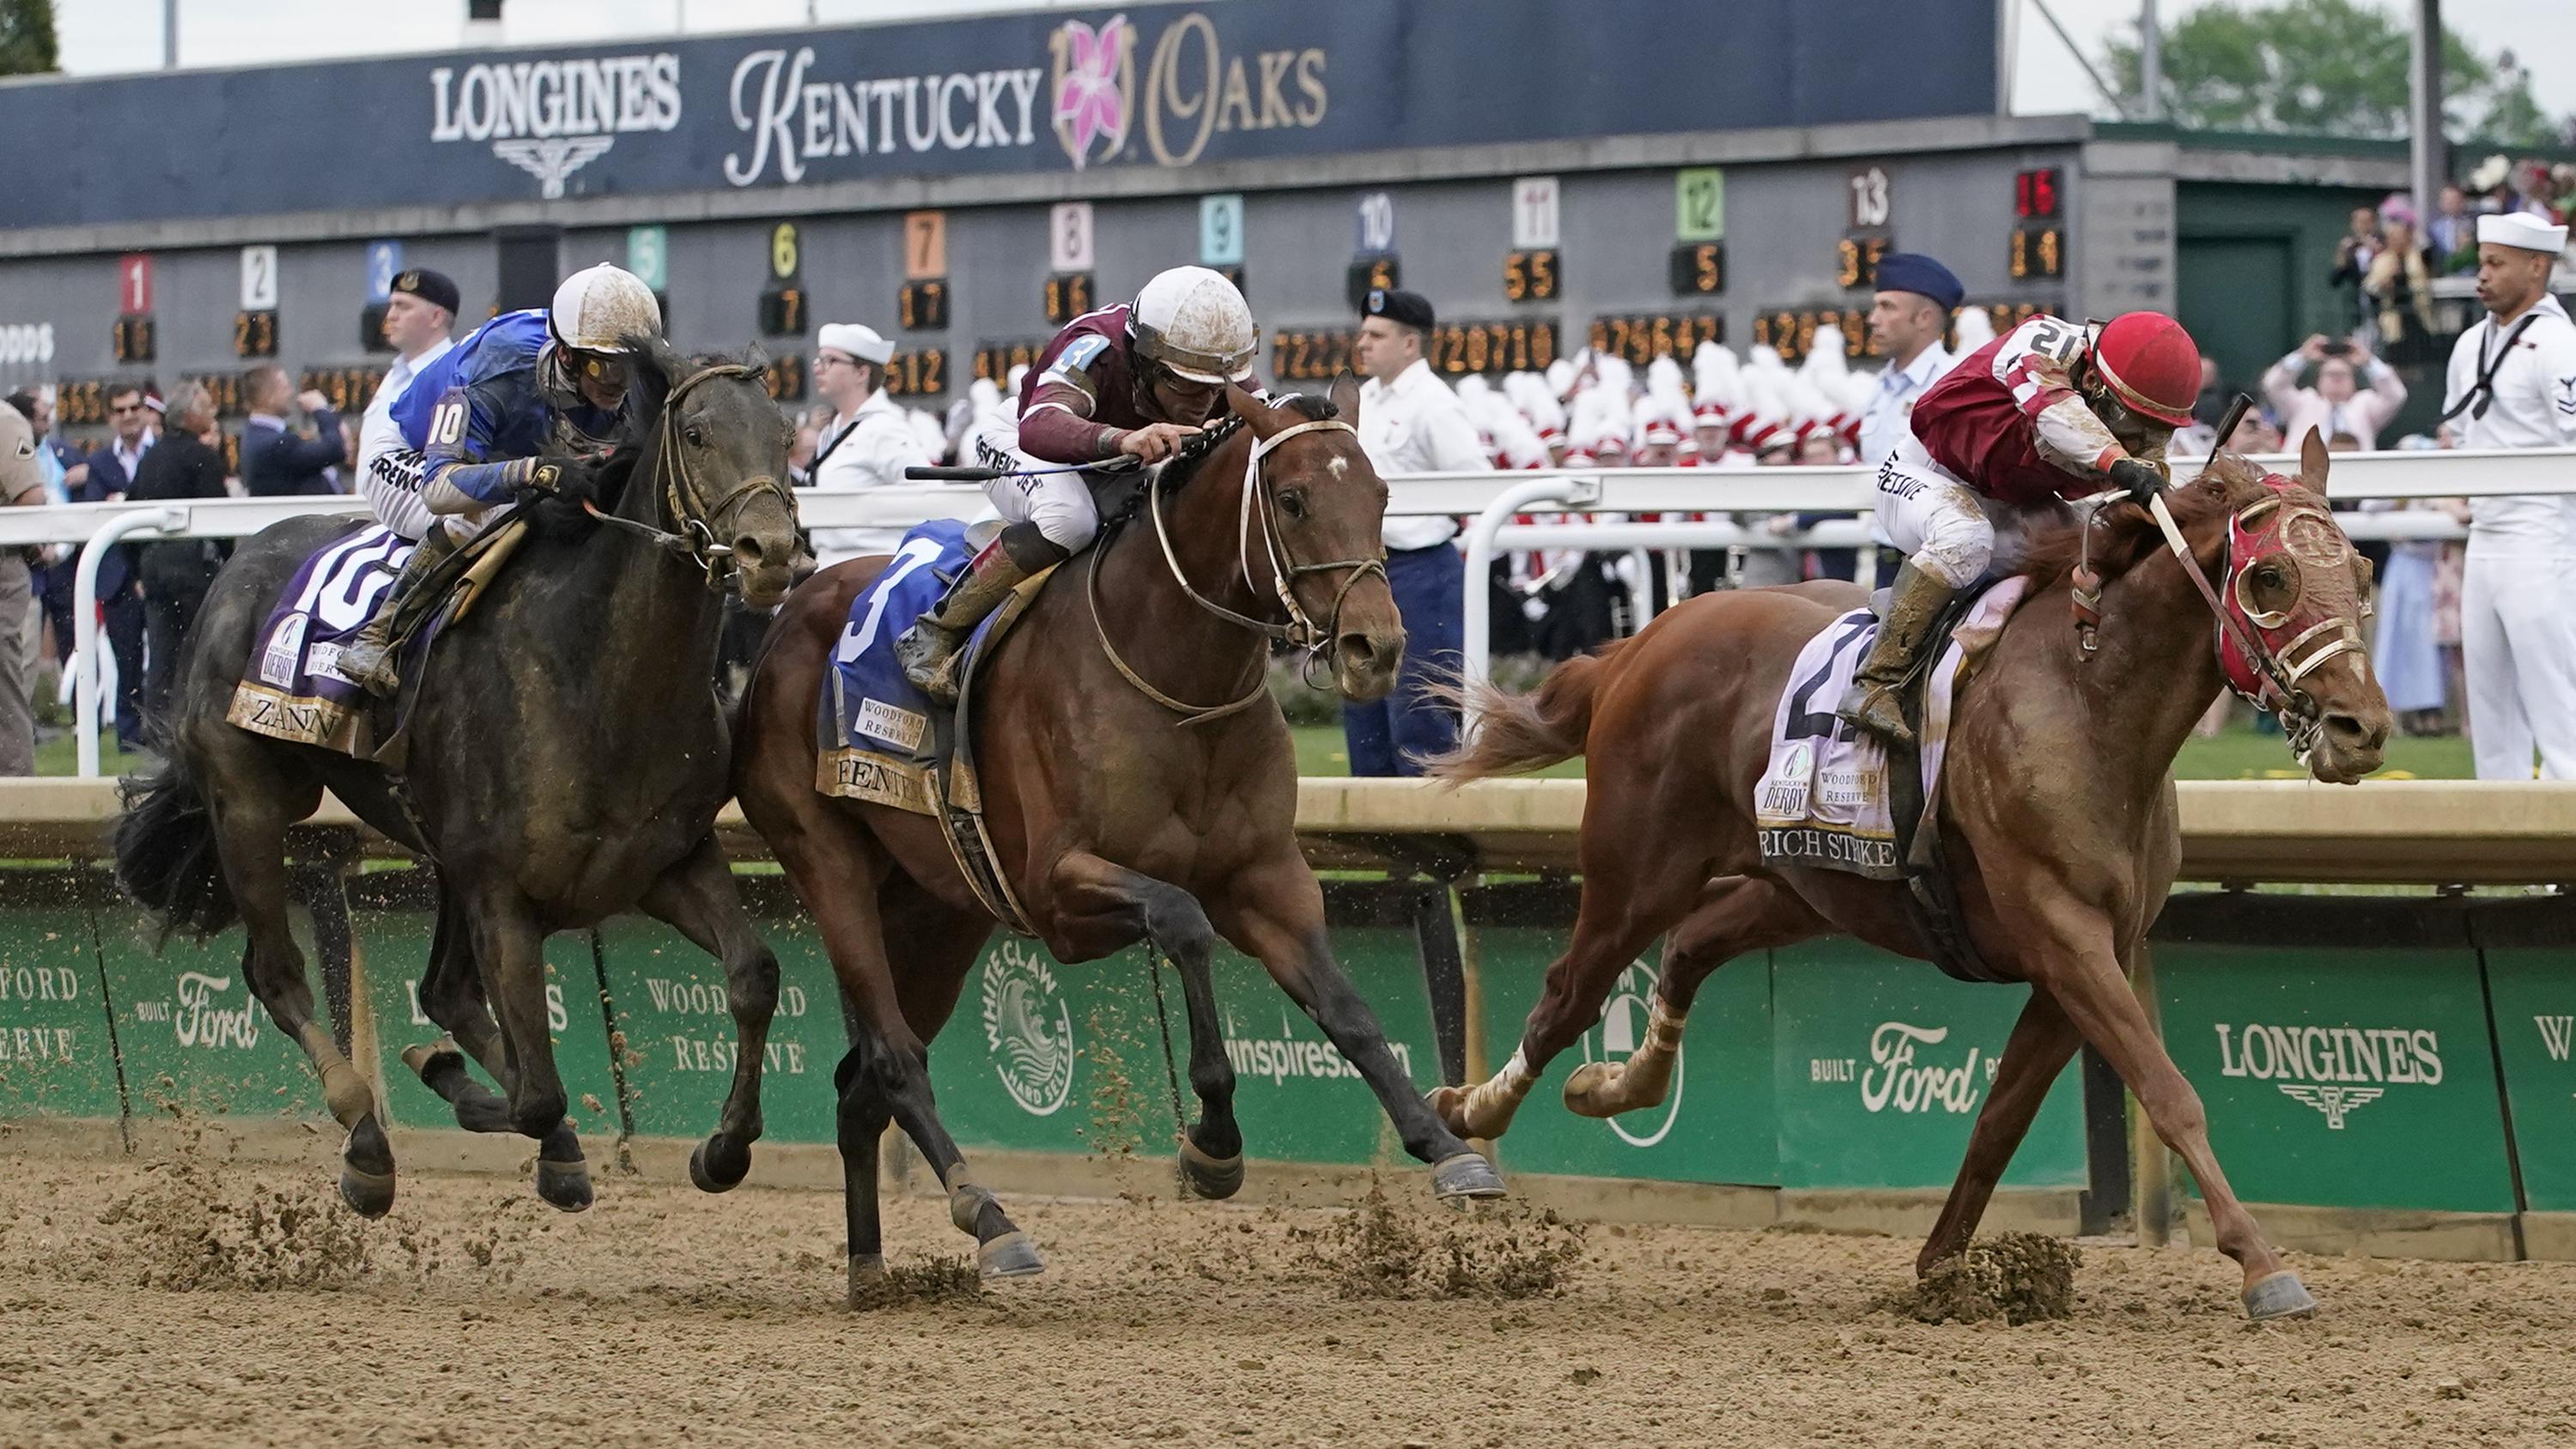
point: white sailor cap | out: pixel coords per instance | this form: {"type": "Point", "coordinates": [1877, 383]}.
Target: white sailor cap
{"type": "Point", "coordinates": [2524, 230]}
{"type": "Point", "coordinates": [863, 343]}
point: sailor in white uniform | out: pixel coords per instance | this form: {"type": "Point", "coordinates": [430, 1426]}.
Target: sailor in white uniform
{"type": "Point", "coordinates": [2512, 384]}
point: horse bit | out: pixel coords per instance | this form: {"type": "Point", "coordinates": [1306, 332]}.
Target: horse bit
{"type": "Point", "coordinates": [1299, 631]}
{"type": "Point", "coordinates": [682, 499]}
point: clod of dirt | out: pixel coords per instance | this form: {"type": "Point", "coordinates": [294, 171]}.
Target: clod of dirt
{"type": "Point", "coordinates": [184, 1231]}
{"type": "Point", "coordinates": [1500, 1251]}
{"type": "Point", "coordinates": [927, 1280]}
{"type": "Point", "coordinates": [2017, 1277]}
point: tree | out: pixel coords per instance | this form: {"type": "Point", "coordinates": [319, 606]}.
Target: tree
{"type": "Point", "coordinates": [27, 37]}
{"type": "Point", "coordinates": [2328, 67]}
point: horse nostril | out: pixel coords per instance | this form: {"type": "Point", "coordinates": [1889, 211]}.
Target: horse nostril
{"type": "Point", "coordinates": [1358, 651]}
{"type": "Point", "coordinates": [2350, 732]}
{"type": "Point", "coordinates": [747, 552]}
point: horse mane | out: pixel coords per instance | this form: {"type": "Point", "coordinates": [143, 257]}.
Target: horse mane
{"type": "Point", "coordinates": [2126, 535]}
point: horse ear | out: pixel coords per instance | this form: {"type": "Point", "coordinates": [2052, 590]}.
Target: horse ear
{"type": "Point", "coordinates": [656, 365]}
{"type": "Point", "coordinates": [2312, 461]}
{"type": "Point", "coordinates": [1241, 402]}
{"type": "Point", "coordinates": [1345, 393]}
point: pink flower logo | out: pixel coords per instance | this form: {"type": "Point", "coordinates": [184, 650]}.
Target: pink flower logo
{"type": "Point", "coordinates": [1094, 72]}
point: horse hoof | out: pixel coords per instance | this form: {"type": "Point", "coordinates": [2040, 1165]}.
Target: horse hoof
{"type": "Point", "coordinates": [721, 1169]}
{"type": "Point", "coordinates": [2278, 1295]}
{"type": "Point", "coordinates": [1588, 1089]}
{"type": "Point", "coordinates": [368, 1194]}
{"type": "Point", "coordinates": [867, 1273]}
{"type": "Point", "coordinates": [1012, 1255]}
{"type": "Point", "coordinates": [564, 1185]}
{"type": "Point", "coordinates": [1466, 1175]}
{"type": "Point", "coordinates": [1213, 1178]}
{"type": "Point", "coordinates": [1449, 1104]}
{"type": "Point", "coordinates": [423, 1057]}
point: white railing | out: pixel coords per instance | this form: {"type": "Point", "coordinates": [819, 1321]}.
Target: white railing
{"type": "Point", "coordinates": [1491, 499]}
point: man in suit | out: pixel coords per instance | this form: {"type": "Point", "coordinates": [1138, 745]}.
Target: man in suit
{"type": "Point", "coordinates": [113, 466]}
{"type": "Point", "coordinates": [176, 573]}
{"type": "Point", "coordinates": [275, 460]}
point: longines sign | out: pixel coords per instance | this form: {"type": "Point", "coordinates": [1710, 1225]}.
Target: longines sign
{"type": "Point", "coordinates": [1147, 85]}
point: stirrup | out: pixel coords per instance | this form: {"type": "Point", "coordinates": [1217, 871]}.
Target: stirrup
{"type": "Point", "coordinates": [368, 663]}
{"type": "Point", "coordinates": [1875, 710]}
{"type": "Point", "coordinates": [928, 653]}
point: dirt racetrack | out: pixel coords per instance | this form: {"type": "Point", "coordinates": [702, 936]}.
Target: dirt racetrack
{"type": "Point", "coordinates": [195, 1300]}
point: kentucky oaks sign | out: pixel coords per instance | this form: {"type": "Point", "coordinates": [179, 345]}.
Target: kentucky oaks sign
{"type": "Point", "coordinates": [1149, 85]}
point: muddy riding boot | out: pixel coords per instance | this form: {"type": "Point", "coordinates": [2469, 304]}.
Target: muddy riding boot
{"type": "Point", "coordinates": [928, 650]}
{"type": "Point", "coordinates": [1914, 605]}
{"type": "Point", "coordinates": [368, 660]}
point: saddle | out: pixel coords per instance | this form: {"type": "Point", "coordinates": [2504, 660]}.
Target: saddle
{"type": "Point", "coordinates": [882, 740]}
{"type": "Point", "coordinates": [1833, 799]}
{"type": "Point", "coordinates": [291, 688]}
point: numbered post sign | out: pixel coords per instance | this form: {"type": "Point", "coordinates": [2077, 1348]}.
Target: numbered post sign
{"type": "Point", "coordinates": [134, 283]}
{"type": "Point", "coordinates": [1869, 197]}
{"type": "Point", "coordinates": [648, 256]}
{"type": "Point", "coordinates": [1534, 212]}
{"type": "Point", "coordinates": [384, 263]}
{"type": "Point", "coordinates": [258, 278]}
{"type": "Point", "coordinates": [1699, 204]}
{"type": "Point", "coordinates": [1221, 230]}
{"type": "Point", "coordinates": [785, 251]}
{"type": "Point", "coordinates": [1069, 237]}
{"type": "Point", "coordinates": [925, 245]}
{"type": "Point", "coordinates": [1376, 218]}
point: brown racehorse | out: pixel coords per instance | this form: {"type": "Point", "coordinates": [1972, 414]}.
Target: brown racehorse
{"type": "Point", "coordinates": [1118, 816]}
{"type": "Point", "coordinates": [2058, 819]}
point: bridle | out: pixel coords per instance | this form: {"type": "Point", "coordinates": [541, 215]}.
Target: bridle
{"type": "Point", "coordinates": [700, 522]}
{"type": "Point", "coordinates": [1299, 630]}
{"type": "Point", "coordinates": [2261, 658]}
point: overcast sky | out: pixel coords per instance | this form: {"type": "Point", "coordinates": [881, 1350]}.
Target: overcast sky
{"type": "Point", "coordinates": [113, 35]}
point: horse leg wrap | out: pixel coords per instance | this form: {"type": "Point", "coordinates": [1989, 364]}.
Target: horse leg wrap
{"type": "Point", "coordinates": [1502, 1094]}
{"type": "Point", "coordinates": [966, 1201]}
{"type": "Point", "coordinates": [342, 1088]}
{"type": "Point", "coordinates": [1603, 1089]}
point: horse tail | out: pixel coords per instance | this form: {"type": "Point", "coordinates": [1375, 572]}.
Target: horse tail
{"type": "Point", "coordinates": [1518, 732]}
{"type": "Point", "coordinates": [166, 858]}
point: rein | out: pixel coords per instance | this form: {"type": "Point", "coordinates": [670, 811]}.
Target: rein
{"type": "Point", "coordinates": [682, 499]}
{"type": "Point", "coordinates": [2277, 673]}
{"type": "Point", "coordinates": [1298, 631]}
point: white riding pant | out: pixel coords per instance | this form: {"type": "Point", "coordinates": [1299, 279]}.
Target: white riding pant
{"type": "Point", "coordinates": [1059, 503]}
{"type": "Point", "coordinates": [2518, 646]}
{"type": "Point", "coordinates": [1937, 520]}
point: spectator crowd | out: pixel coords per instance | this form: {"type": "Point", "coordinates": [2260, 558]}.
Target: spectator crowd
{"type": "Point", "coordinates": [1588, 411]}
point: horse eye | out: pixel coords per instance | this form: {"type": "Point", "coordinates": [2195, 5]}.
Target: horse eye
{"type": "Point", "coordinates": [1293, 504]}
{"type": "Point", "coordinates": [697, 439]}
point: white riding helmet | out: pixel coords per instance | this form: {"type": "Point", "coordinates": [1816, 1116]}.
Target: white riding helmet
{"type": "Point", "coordinates": [1194, 322]}
{"type": "Point", "coordinates": [598, 307]}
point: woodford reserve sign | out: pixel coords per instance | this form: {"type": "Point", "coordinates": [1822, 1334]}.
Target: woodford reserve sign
{"type": "Point", "coordinates": [1148, 85]}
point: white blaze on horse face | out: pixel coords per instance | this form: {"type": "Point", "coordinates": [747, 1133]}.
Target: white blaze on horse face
{"type": "Point", "coordinates": [1337, 466]}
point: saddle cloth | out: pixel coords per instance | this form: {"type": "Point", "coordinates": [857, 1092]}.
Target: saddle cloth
{"type": "Point", "coordinates": [292, 688]}
{"type": "Point", "coordinates": [873, 726]}
{"type": "Point", "coordinates": [881, 740]}
{"type": "Point", "coordinates": [1823, 800]}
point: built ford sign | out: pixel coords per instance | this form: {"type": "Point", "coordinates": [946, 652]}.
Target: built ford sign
{"type": "Point", "coordinates": [1159, 86]}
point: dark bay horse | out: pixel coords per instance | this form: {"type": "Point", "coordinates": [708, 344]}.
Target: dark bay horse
{"type": "Point", "coordinates": [566, 762]}
{"type": "Point", "coordinates": [1118, 815]}
{"type": "Point", "coordinates": [2058, 820]}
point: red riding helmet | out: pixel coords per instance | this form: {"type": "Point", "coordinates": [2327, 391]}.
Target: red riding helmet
{"type": "Point", "coordinates": [2150, 364]}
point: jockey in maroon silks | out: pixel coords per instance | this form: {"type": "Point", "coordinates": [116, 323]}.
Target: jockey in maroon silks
{"type": "Point", "coordinates": [2052, 410]}
{"type": "Point", "coordinates": [1129, 381]}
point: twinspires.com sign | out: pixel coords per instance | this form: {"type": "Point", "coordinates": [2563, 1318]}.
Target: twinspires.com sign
{"type": "Point", "coordinates": [1155, 85]}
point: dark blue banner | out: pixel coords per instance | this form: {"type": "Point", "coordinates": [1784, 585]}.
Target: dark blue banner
{"type": "Point", "coordinates": [1154, 85]}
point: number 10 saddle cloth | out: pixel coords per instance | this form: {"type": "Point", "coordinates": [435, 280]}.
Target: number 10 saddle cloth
{"type": "Point", "coordinates": [1824, 799]}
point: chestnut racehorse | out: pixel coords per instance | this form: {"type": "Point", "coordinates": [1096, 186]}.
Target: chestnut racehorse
{"type": "Point", "coordinates": [2058, 817]}
{"type": "Point", "coordinates": [1138, 784]}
